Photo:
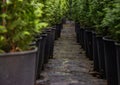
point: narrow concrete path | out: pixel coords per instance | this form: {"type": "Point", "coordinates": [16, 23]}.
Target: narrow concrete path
{"type": "Point", "coordinates": [70, 65]}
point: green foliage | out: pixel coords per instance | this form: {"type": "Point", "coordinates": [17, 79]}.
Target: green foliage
{"type": "Point", "coordinates": [112, 19]}
{"type": "Point", "coordinates": [54, 11]}
{"type": "Point", "coordinates": [103, 15]}
{"type": "Point", "coordinates": [20, 20]}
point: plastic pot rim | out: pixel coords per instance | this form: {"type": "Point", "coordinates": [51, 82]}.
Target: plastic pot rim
{"type": "Point", "coordinates": [19, 53]}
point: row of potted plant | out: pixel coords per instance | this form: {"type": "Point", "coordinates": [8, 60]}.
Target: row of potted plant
{"type": "Point", "coordinates": [27, 33]}
{"type": "Point", "coordinates": [98, 29]}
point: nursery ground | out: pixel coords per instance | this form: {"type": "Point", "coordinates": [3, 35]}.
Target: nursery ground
{"type": "Point", "coordinates": [69, 65]}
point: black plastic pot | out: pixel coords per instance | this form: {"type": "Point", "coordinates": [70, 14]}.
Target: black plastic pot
{"type": "Point", "coordinates": [52, 42]}
{"type": "Point", "coordinates": [118, 60]}
{"type": "Point", "coordinates": [95, 53]}
{"type": "Point", "coordinates": [110, 61]}
{"type": "Point", "coordinates": [82, 37]}
{"type": "Point", "coordinates": [77, 26]}
{"type": "Point", "coordinates": [18, 68]}
{"type": "Point", "coordinates": [47, 46]}
{"type": "Point", "coordinates": [78, 36]}
{"type": "Point", "coordinates": [58, 31]}
{"type": "Point", "coordinates": [41, 48]}
{"type": "Point", "coordinates": [36, 43]}
{"type": "Point", "coordinates": [101, 56]}
{"type": "Point", "coordinates": [44, 41]}
{"type": "Point", "coordinates": [39, 58]}
{"type": "Point", "coordinates": [86, 43]}
{"type": "Point", "coordinates": [61, 26]}
{"type": "Point", "coordinates": [64, 20]}
{"type": "Point", "coordinates": [77, 30]}
{"type": "Point", "coordinates": [89, 43]}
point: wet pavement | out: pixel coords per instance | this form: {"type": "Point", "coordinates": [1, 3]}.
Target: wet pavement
{"type": "Point", "coordinates": [70, 65]}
